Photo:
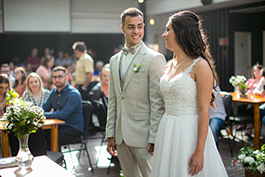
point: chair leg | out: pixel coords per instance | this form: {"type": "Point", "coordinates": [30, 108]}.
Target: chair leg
{"type": "Point", "coordinates": [89, 159]}
{"type": "Point", "coordinates": [69, 150]}
{"type": "Point", "coordinates": [102, 141]}
{"type": "Point", "coordinates": [109, 165]}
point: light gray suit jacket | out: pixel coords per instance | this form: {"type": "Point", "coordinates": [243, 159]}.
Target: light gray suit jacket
{"type": "Point", "coordinates": [134, 112]}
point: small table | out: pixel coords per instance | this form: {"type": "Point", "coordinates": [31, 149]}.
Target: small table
{"type": "Point", "coordinates": [51, 124]}
{"type": "Point", "coordinates": [256, 101]}
{"type": "Point", "coordinates": [41, 166]}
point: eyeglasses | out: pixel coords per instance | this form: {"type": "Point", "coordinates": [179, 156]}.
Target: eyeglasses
{"type": "Point", "coordinates": [57, 77]}
{"type": "Point", "coordinates": [4, 71]}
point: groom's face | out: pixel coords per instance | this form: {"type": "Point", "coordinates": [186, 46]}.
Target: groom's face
{"type": "Point", "coordinates": [133, 30]}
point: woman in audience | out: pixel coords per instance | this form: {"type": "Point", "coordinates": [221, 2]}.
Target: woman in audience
{"type": "Point", "coordinates": [35, 92]}
{"type": "Point", "coordinates": [252, 83]}
{"type": "Point", "coordinates": [100, 94]}
{"type": "Point", "coordinates": [20, 82]}
{"type": "Point", "coordinates": [256, 74]}
{"type": "Point", "coordinates": [4, 88]}
{"type": "Point", "coordinates": [45, 70]}
{"type": "Point", "coordinates": [100, 91]}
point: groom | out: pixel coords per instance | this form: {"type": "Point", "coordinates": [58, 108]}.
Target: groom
{"type": "Point", "coordinates": [135, 104]}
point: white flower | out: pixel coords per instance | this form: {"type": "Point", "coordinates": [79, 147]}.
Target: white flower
{"type": "Point", "coordinates": [135, 69]}
{"type": "Point", "coordinates": [261, 168]}
{"type": "Point", "coordinates": [241, 157]}
{"type": "Point", "coordinates": [249, 160]}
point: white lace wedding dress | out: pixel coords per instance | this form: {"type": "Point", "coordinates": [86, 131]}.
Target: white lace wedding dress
{"type": "Point", "coordinates": [177, 133]}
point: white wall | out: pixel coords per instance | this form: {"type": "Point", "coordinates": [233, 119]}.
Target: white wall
{"type": "Point", "coordinates": [36, 16]}
{"type": "Point", "coordinates": [98, 16]}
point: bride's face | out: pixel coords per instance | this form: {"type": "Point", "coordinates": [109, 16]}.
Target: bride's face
{"type": "Point", "coordinates": [170, 37]}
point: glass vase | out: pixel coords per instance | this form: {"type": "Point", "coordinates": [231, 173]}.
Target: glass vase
{"type": "Point", "coordinates": [24, 157]}
{"type": "Point", "coordinates": [237, 89]}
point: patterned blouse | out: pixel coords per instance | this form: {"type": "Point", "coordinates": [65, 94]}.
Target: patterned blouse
{"type": "Point", "coordinates": [43, 98]}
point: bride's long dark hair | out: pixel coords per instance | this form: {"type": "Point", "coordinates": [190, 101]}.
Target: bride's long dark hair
{"type": "Point", "coordinates": [191, 38]}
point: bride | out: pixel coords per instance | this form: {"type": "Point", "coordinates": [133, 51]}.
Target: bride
{"type": "Point", "coordinates": [184, 144]}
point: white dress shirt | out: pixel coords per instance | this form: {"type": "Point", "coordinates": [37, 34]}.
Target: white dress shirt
{"type": "Point", "coordinates": [126, 60]}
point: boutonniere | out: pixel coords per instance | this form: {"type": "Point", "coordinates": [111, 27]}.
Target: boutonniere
{"type": "Point", "coordinates": [136, 68]}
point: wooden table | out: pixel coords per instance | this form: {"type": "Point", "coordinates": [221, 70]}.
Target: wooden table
{"type": "Point", "coordinates": [41, 166]}
{"type": "Point", "coordinates": [256, 101]}
{"type": "Point", "coordinates": [51, 124]}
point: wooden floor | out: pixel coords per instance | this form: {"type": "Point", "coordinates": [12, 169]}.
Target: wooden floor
{"type": "Point", "coordinates": [82, 169]}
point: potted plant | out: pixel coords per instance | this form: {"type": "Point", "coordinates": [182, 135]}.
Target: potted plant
{"type": "Point", "coordinates": [252, 160]}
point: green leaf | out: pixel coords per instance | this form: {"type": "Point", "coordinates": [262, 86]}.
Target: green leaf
{"type": "Point", "coordinates": [19, 136]}
{"type": "Point", "coordinates": [21, 123]}
{"type": "Point", "coordinates": [134, 65]}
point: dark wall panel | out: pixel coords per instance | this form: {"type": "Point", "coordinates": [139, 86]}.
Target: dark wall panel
{"type": "Point", "coordinates": [20, 45]}
{"type": "Point", "coordinates": [216, 26]}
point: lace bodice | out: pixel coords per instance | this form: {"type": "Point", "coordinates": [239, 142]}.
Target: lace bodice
{"type": "Point", "coordinates": [180, 93]}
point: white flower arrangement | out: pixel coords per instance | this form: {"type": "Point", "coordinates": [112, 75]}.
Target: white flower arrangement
{"type": "Point", "coordinates": [22, 117]}
{"type": "Point", "coordinates": [237, 80]}
{"type": "Point", "coordinates": [253, 160]}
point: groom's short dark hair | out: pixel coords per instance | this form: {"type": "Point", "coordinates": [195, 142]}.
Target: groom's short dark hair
{"type": "Point", "coordinates": [132, 12]}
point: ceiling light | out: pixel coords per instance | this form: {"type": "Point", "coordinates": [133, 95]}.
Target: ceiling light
{"type": "Point", "coordinates": [152, 21]}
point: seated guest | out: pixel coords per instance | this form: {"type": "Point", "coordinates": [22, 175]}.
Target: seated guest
{"type": "Point", "coordinates": [20, 82]}
{"type": "Point", "coordinates": [35, 92]}
{"type": "Point", "coordinates": [98, 68]}
{"type": "Point", "coordinates": [256, 74]}
{"type": "Point", "coordinates": [252, 83]}
{"type": "Point", "coordinates": [217, 115]}
{"type": "Point", "coordinates": [5, 69]}
{"type": "Point", "coordinates": [259, 90]}
{"type": "Point", "coordinates": [45, 70]}
{"type": "Point", "coordinates": [66, 103]}
{"type": "Point", "coordinates": [100, 91]}
{"type": "Point", "coordinates": [4, 88]}
{"type": "Point", "coordinates": [33, 59]}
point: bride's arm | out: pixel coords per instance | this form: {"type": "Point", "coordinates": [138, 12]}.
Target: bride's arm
{"type": "Point", "coordinates": [204, 79]}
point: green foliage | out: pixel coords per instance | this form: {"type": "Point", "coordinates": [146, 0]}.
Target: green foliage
{"type": "Point", "coordinates": [253, 159]}
{"type": "Point", "coordinates": [121, 173]}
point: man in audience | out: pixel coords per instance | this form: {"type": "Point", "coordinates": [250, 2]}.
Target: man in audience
{"type": "Point", "coordinates": [33, 59]}
{"type": "Point", "coordinates": [84, 69]}
{"type": "Point", "coordinates": [5, 69]}
{"type": "Point", "coordinates": [66, 103]}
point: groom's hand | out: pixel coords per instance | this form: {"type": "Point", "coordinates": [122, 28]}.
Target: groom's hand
{"type": "Point", "coordinates": [151, 148]}
{"type": "Point", "coordinates": [111, 147]}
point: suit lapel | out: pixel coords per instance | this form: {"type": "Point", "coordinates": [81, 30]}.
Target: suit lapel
{"type": "Point", "coordinates": [116, 71]}
{"type": "Point", "coordinates": [138, 61]}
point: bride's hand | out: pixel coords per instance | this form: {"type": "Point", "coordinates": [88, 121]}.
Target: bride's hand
{"type": "Point", "coordinates": [196, 163]}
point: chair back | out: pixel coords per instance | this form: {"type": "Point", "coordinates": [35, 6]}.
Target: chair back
{"type": "Point", "coordinates": [227, 100]}
{"type": "Point", "coordinates": [100, 111]}
{"type": "Point", "coordinates": [36, 142]}
{"type": "Point", "coordinates": [87, 108]}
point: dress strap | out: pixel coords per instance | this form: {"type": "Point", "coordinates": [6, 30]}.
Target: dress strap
{"type": "Point", "coordinates": [189, 69]}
